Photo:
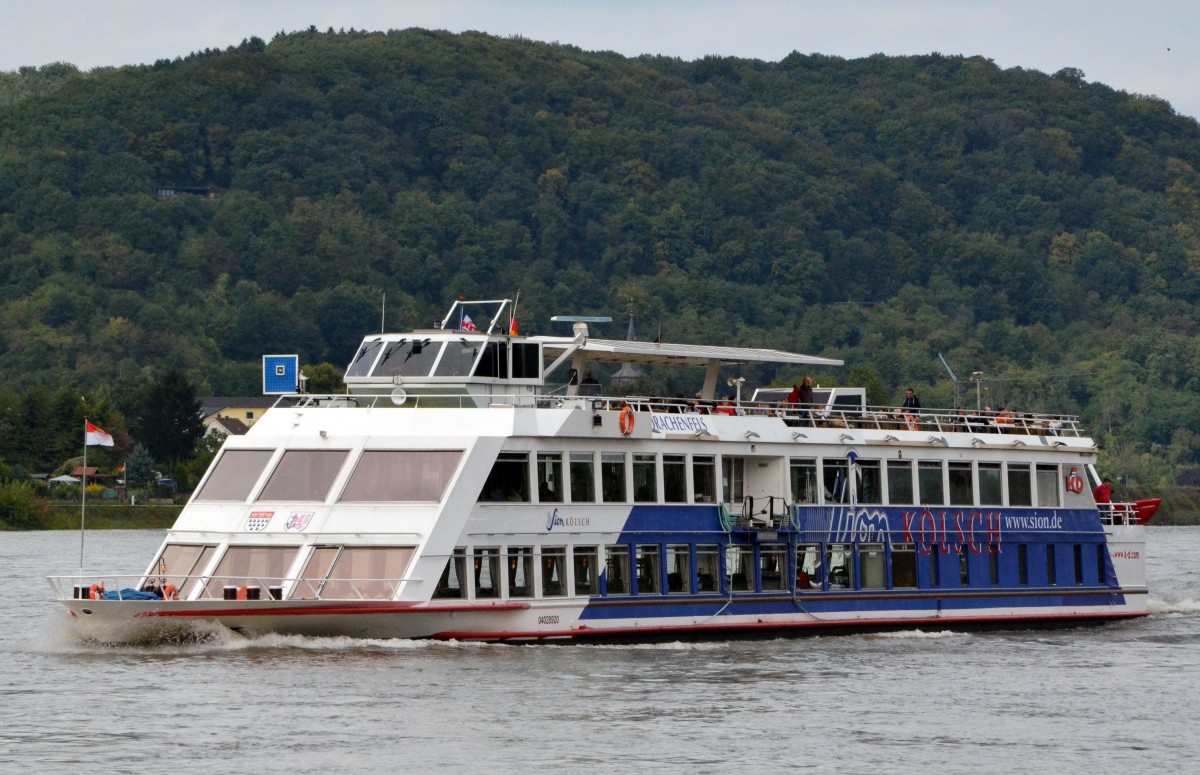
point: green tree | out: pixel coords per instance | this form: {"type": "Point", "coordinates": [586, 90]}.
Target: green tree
{"type": "Point", "coordinates": [168, 419]}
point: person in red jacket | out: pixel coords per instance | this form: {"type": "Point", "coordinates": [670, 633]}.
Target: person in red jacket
{"type": "Point", "coordinates": [1103, 491]}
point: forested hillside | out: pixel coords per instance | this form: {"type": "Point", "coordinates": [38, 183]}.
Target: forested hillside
{"type": "Point", "coordinates": [1037, 228]}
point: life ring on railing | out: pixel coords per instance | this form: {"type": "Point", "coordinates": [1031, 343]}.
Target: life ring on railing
{"type": "Point", "coordinates": [96, 592]}
{"type": "Point", "coordinates": [627, 420]}
{"type": "Point", "coordinates": [170, 592]}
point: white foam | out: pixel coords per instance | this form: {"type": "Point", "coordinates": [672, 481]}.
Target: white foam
{"type": "Point", "coordinates": [1174, 607]}
{"type": "Point", "coordinates": [921, 635]}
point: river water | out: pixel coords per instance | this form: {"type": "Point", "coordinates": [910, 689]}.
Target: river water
{"type": "Point", "coordinates": [1119, 698]}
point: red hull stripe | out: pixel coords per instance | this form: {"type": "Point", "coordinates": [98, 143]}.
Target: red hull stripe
{"type": "Point", "coordinates": [356, 608]}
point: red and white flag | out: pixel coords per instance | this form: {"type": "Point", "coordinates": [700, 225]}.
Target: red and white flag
{"type": "Point", "coordinates": [467, 324]}
{"type": "Point", "coordinates": [95, 437]}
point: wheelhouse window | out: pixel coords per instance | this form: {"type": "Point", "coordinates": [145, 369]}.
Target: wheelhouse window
{"type": "Point", "coordinates": [804, 479]}
{"type": "Point", "coordinates": [989, 485]}
{"type": "Point", "coordinates": [353, 572]}
{"type": "Point", "coordinates": [704, 478]}
{"type": "Point", "coordinates": [452, 584]}
{"type": "Point", "coordinates": [549, 477]}
{"type": "Point", "coordinates": [587, 580]}
{"type": "Point", "coordinates": [520, 571]}
{"type": "Point", "coordinates": [900, 482]}
{"type": "Point", "coordinates": [929, 479]}
{"type": "Point", "coordinates": [487, 572]}
{"type": "Point", "coordinates": [616, 569]}
{"type": "Point", "coordinates": [526, 360]}
{"type": "Point", "coordinates": [1047, 485]}
{"type": "Point", "coordinates": [674, 478]}
{"type": "Point", "coordinates": [494, 362]}
{"type": "Point", "coordinates": [180, 565]}
{"type": "Point", "coordinates": [458, 358]}
{"type": "Point", "coordinates": [304, 475]}
{"type": "Point", "coordinates": [648, 570]}
{"type": "Point", "coordinates": [364, 359]}
{"type": "Point", "coordinates": [1020, 492]}
{"type": "Point", "coordinates": [612, 477]}
{"type": "Point", "coordinates": [408, 357]}
{"type": "Point", "coordinates": [393, 475]}
{"type": "Point", "coordinates": [961, 493]}
{"type": "Point", "coordinates": [645, 483]}
{"type": "Point", "coordinates": [234, 475]}
{"type": "Point", "coordinates": [554, 571]}
{"type": "Point", "coordinates": [508, 481]}
{"type": "Point", "coordinates": [251, 566]}
{"type": "Point", "coordinates": [583, 479]}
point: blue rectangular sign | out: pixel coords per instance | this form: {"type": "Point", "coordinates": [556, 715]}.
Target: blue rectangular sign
{"type": "Point", "coordinates": [281, 374]}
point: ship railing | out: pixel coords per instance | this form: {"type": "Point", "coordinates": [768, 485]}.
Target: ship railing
{"type": "Point", "coordinates": [1118, 513]}
{"type": "Point", "coordinates": [883, 418]}
{"type": "Point", "coordinates": [172, 587]}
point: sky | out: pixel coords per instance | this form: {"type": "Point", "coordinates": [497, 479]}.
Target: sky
{"type": "Point", "coordinates": [1149, 47]}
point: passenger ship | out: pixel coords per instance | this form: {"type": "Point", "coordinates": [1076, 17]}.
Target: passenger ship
{"type": "Point", "coordinates": [470, 486]}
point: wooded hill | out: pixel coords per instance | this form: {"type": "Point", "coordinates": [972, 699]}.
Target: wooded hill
{"type": "Point", "coordinates": [1038, 228]}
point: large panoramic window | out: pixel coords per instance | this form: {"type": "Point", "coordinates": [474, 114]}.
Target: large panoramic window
{"type": "Point", "coordinates": [251, 566]}
{"type": "Point", "coordinates": [304, 475]}
{"type": "Point", "coordinates": [401, 475]}
{"type": "Point", "coordinates": [179, 564]}
{"type": "Point", "coordinates": [509, 479]}
{"type": "Point", "coordinates": [234, 475]}
{"type": "Point", "coordinates": [353, 573]}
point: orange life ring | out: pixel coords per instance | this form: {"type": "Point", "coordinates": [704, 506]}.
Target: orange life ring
{"type": "Point", "coordinates": [243, 592]}
{"type": "Point", "coordinates": [910, 422]}
{"type": "Point", "coordinates": [627, 420]}
{"type": "Point", "coordinates": [170, 592]}
{"type": "Point", "coordinates": [1075, 482]}
{"type": "Point", "coordinates": [96, 592]}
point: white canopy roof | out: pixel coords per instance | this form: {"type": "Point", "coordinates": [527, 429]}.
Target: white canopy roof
{"type": "Point", "coordinates": [616, 350]}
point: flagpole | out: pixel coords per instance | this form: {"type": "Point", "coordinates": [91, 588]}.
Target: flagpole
{"type": "Point", "coordinates": [83, 500]}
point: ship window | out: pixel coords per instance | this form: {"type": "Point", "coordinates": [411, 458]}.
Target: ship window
{"type": "Point", "coordinates": [180, 565]}
{"type": "Point", "coordinates": [549, 477]}
{"type": "Point", "coordinates": [458, 358]}
{"type": "Point", "coordinates": [840, 561]}
{"type": "Point", "coordinates": [364, 359]}
{"type": "Point", "coordinates": [733, 478]}
{"type": "Point", "coordinates": [1078, 563]}
{"type": "Point", "coordinates": [407, 358]}
{"type": "Point", "coordinates": [964, 566]}
{"type": "Point", "coordinates": [870, 482]}
{"type": "Point", "coordinates": [645, 484]}
{"type": "Point", "coordinates": [835, 476]}
{"type": "Point", "coordinates": [804, 479]}
{"type": "Point", "coordinates": [1099, 563]}
{"type": "Point", "coordinates": [583, 480]}
{"type": "Point", "coordinates": [704, 478]}
{"type": "Point", "coordinates": [739, 568]}
{"type": "Point", "coordinates": [772, 567]}
{"type": "Point", "coordinates": [904, 566]}
{"type": "Point", "coordinates": [1022, 564]}
{"type": "Point", "coordinates": [1051, 566]}
{"type": "Point", "coordinates": [452, 584]}
{"type": "Point", "coordinates": [1047, 485]}
{"type": "Point", "coordinates": [900, 482]}
{"type": "Point", "coordinates": [708, 567]}
{"type": "Point", "coordinates": [494, 362]}
{"type": "Point", "coordinates": [520, 571]}
{"type": "Point", "coordinates": [251, 566]}
{"type": "Point", "coordinates": [587, 581]}
{"type": "Point", "coordinates": [353, 572]}
{"type": "Point", "coordinates": [994, 564]}
{"type": "Point", "coordinates": [234, 475]}
{"type": "Point", "coordinates": [935, 570]}
{"type": "Point", "coordinates": [674, 478]}
{"type": "Point", "coordinates": [509, 479]}
{"type": "Point", "coordinates": [679, 564]}
{"type": "Point", "coordinates": [808, 567]}
{"type": "Point", "coordinates": [401, 475]}
{"type": "Point", "coordinates": [929, 479]}
{"type": "Point", "coordinates": [526, 361]}
{"type": "Point", "coordinates": [960, 484]}
{"type": "Point", "coordinates": [487, 572]}
{"type": "Point", "coordinates": [616, 570]}
{"type": "Point", "coordinates": [648, 570]}
{"type": "Point", "coordinates": [612, 477]}
{"type": "Point", "coordinates": [554, 571]}
{"type": "Point", "coordinates": [304, 475]}
{"type": "Point", "coordinates": [989, 485]}
{"type": "Point", "coordinates": [1019, 491]}
{"type": "Point", "coordinates": [872, 564]}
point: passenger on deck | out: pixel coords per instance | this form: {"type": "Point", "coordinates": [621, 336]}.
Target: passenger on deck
{"type": "Point", "coordinates": [1103, 491]}
{"type": "Point", "coordinates": [726, 406]}
{"type": "Point", "coordinates": [590, 386]}
{"type": "Point", "coordinates": [910, 400]}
